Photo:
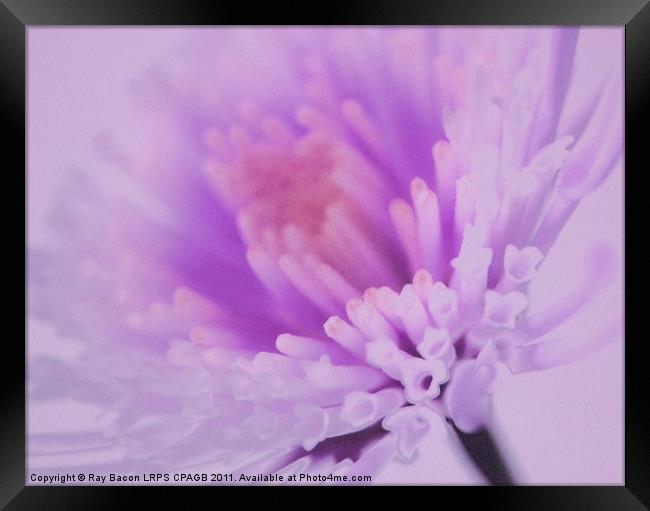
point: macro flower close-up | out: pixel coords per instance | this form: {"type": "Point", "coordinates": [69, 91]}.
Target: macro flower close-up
{"type": "Point", "coordinates": [387, 253]}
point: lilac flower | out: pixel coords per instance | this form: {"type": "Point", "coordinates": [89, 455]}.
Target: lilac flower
{"type": "Point", "coordinates": [325, 251]}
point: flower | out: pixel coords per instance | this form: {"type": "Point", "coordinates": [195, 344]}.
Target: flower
{"type": "Point", "coordinates": [325, 250]}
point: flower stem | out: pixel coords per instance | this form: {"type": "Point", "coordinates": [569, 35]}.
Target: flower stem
{"type": "Point", "coordinates": [484, 452]}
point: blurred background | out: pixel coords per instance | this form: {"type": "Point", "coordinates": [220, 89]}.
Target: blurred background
{"type": "Point", "coordinates": [560, 426]}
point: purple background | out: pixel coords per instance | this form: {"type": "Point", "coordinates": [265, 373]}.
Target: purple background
{"type": "Point", "coordinates": [564, 425]}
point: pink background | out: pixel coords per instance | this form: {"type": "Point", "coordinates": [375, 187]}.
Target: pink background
{"type": "Point", "coordinates": [563, 425]}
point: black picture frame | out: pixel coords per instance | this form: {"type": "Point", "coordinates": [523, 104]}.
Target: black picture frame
{"type": "Point", "coordinates": [17, 16]}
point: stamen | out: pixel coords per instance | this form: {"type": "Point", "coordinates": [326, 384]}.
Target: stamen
{"type": "Point", "coordinates": [423, 284]}
{"type": "Point", "coordinates": [361, 409]}
{"type": "Point", "coordinates": [412, 313]}
{"type": "Point", "coordinates": [277, 364]}
{"type": "Point", "coordinates": [467, 396]}
{"type": "Point", "coordinates": [215, 140]}
{"type": "Point", "coordinates": [183, 354]}
{"type": "Point", "coordinates": [263, 424]}
{"type": "Point", "coordinates": [422, 378]}
{"type": "Point", "coordinates": [429, 226]}
{"type": "Point", "coordinates": [369, 321]}
{"type": "Point", "coordinates": [307, 348]}
{"type": "Point", "coordinates": [301, 278]}
{"type": "Point", "coordinates": [195, 306]}
{"type": "Point", "coordinates": [520, 267]}
{"type": "Point", "coordinates": [445, 167]}
{"type": "Point", "coordinates": [267, 271]}
{"type": "Point", "coordinates": [335, 283]}
{"type": "Point", "coordinates": [501, 311]}
{"type": "Point", "coordinates": [543, 169]}
{"type": "Point", "coordinates": [346, 336]}
{"type": "Point", "coordinates": [470, 275]}
{"type": "Point", "coordinates": [465, 207]}
{"type": "Point", "coordinates": [443, 305]}
{"type": "Point", "coordinates": [359, 243]}
{"type": "Point", "coordinates": [437, 345]}
{"type": "Point", "coordinates": [215, 336]}
{"type": "Point", "coordinates": [403, 218]}
{"type": "Point", "coordinates": [311, 119]}
{"type": "Point", "coordinates": [385, 300]}
{"type": "Point", "coordinates": [384, 354]}
{"type": "Point", "coordinates": [277, 130]}
{"type": "Point", "coordinates": [410, 425]}
{"type": "Point", "coordinates": [239, 139]}
{"type": "Point", "coordinates": [249, 112]}
{"type": "Point", "coordinates": [223, 358]}
{"type": "Point", "coordinates": [358, 119]}
{"type": "Point", "coordinates": [312, 425]}
{"type": "Point", "coordinates": [323, 374]}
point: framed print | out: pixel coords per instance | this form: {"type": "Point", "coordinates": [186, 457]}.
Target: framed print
{"type": "Point", "coordinates": [385, 247]}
